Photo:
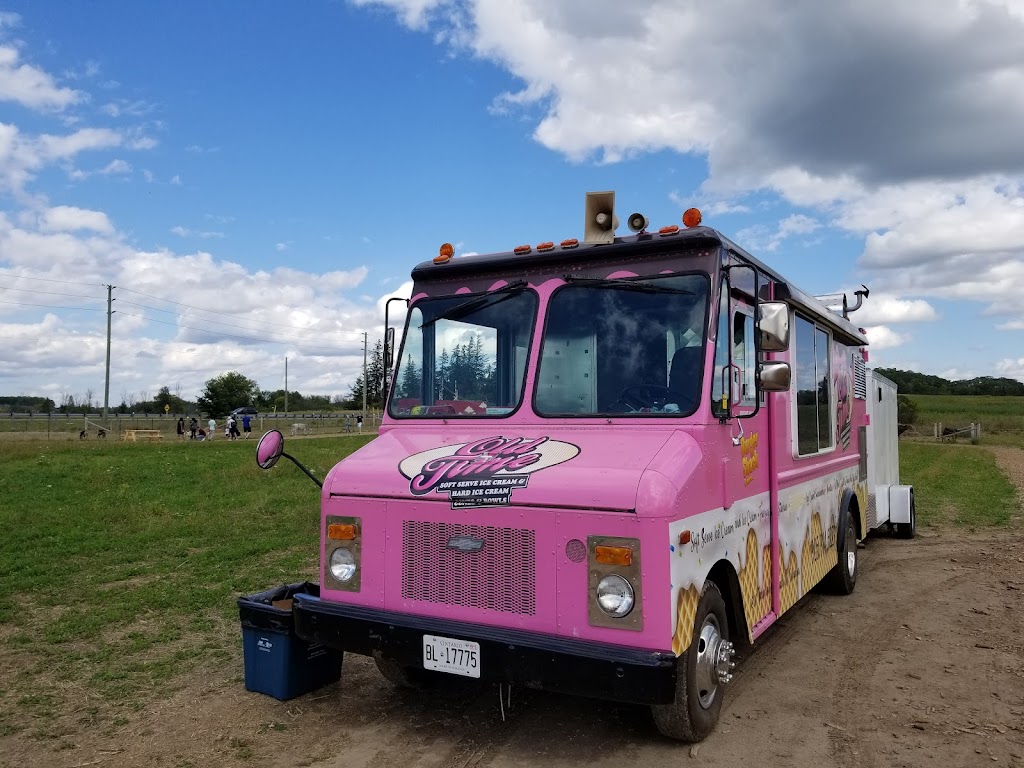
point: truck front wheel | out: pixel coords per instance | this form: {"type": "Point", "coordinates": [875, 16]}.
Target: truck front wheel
{"type": "Point", "coordinates": [701, 674]}
{"type": "Point", "coordinates": [400, 676]}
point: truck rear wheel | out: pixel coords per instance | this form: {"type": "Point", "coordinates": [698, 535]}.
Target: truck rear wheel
{"type": "Point", "coordinates": [843, 578]}
{"type": "Point", "coordinates": [701, 674]}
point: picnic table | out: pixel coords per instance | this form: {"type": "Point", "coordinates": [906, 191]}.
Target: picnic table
{"type": "Point", "coordinates": [142, 434]}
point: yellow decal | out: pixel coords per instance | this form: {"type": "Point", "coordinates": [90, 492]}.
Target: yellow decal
{"type": "Point", "coordinates": [748, 450]}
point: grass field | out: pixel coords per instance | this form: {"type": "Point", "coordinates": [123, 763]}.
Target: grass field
{"type": "Point", "coordinates": [120, 563]}
{"type": "Point", "coordinates": [996, 414]}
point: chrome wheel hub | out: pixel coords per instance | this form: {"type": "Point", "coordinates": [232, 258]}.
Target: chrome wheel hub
{"type": "Point", "coordinates": [851, 553]}
{"type": "Point", "coordinates": [714, 661]}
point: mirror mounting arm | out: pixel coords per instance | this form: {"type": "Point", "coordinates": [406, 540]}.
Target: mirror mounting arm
{"type": "Point", "coordinates": [299, 464]}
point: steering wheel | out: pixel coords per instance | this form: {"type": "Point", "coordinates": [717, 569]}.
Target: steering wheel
{"type": "Point", "coordinates": [641, 396]}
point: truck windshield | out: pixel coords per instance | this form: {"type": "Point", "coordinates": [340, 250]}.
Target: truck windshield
{"type": "Point", "coordinates": [465, 356]}
{"type": "Point", "coordinates": [633, 347]}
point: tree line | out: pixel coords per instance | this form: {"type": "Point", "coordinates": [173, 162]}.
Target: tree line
{"type": "Point", "coordinates": [221, 395]}
{"type": "Point", "coordinates": [463, 374]}
{"type": "Point", "coordinates": [913, 383]}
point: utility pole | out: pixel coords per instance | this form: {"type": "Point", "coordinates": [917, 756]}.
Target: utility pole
{"type": "Point", "coordinates": [106, 381]}
{"type": "Point", "coordinates": [365, 382]}
{"type": "Point", "coordinates": [286, 386]}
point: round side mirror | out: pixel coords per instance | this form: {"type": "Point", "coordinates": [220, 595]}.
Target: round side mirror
{"type": "Point", "coordinates": [270, 448]}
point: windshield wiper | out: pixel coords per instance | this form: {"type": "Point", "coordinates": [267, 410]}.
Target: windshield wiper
{"type": "Point", "coordinates": [625, 284]}
{"type": "Point", "coordinates": [479, 302]}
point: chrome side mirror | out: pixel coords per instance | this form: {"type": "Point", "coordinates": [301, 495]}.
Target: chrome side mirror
{"type": "Point", "coordinates": [773, 318]}
{"type": "Point", "coordinates": [774, 376]}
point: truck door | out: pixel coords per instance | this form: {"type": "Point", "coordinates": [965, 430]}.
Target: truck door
{"type": "Point", "coordinates": [743, 440]}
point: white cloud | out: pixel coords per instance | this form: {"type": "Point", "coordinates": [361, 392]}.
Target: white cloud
{"type": "Point", "coordinates": [281, 247]}
{"type": "Point", "coordinates": [1011, 368]}
{"type": "Point", "coordinates": [183, 232]}
{"type": "Point", "coordinates": [66, 218]}
{"type": "Point", "coordinates": [883, 337]}
{"type": "Point", "coordinates": [885, 309]}
{"type": "Point", "coordinates": [176, 180]}
{"type": "Point", "coordinates": [32, 87]}
{"type": "Point", "coordinates": [116, 168]}
{"type": "Point", "coordinates": [760, 238]}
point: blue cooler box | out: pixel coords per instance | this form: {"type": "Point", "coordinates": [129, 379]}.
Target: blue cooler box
{"type": "Point", "coordinates": [278, 662]}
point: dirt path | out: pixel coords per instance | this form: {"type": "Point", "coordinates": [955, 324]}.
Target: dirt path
{"type": "Point", "coordinates": [923, 665]}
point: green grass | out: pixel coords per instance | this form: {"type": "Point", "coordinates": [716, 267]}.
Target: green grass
{"type": "Point", "coordinates": [996, 414]}
{"type": "Point", "coordinates": [120, 563]}
{"type": "Point", "coordinates": [957, 484]}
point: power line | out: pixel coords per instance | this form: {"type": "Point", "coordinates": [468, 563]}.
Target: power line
{"type": "Point", "coordinates": [230, 335]}
{"type": "Point", "coordinates": [52, 280]}
{"type": "Point", "coordinates": [52, 306]}
{"type": "Point", "coordinates": [231, 325]}
{"type": "Point", "coordinates": [49, 293]}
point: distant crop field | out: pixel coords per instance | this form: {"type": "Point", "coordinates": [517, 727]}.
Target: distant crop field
{"type": "Point", "coordinates": [996, 414]}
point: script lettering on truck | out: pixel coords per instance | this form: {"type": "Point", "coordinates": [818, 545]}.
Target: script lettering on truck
{"type": "Point", "coordinates": [485, 472]}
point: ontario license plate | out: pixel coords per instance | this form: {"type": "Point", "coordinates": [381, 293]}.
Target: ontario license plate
{"type": "Point", "coordinates": [456, 657]}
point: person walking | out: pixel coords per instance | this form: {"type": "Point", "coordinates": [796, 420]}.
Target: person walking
{"type": "Point", "coordinates": [247, 425]}
{"type": "Point", "coordinates": [212, 424]}
{"type": "Point", "coordinates": [181, 428]}
{"type": "Point", "coordinates": [193, 426]}
{"type": "Point", "coordinates": [359, 423]}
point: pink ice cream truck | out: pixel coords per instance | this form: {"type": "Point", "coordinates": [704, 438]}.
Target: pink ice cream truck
{"type": "Point", "coordinates": [603, 465]}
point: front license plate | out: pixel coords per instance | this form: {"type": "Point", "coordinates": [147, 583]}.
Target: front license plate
{"type": "Point", "coordinates": [456, 657]}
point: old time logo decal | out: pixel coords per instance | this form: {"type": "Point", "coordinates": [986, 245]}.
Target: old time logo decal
{"type": "Point", "coordinates": [483, 473]}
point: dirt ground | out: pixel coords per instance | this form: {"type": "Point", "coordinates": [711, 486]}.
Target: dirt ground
{"type": "Point", "coordinates": [922, 666]}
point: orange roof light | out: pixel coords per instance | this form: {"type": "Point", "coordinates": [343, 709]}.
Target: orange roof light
{"type": "Point", "coordinates": [572, 242]}
{"type": "Point", "coordinates": [445, 254]}
{"type": "Point", "coordinates": [342, 532]}
{"type": "Point", "coordinates": [671, 229]}
{"type": "Point", "coordinates": [546, 246]}
{"type": "Point", "coordinates": [521, 249]}
{"type": "Point", "coordinates": [692, 217]}
{"type": "Point", "coordinates": [613, 555]}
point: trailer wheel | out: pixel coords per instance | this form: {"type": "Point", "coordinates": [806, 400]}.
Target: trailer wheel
{"type": "Point", "coordinates": [906, 530]}
{"type": "Point", "coordinates": [843, 577]}
{"type": "Point", "coordinates": [398, 675]}
{"type": "Point", "coordinates": [701, 674]}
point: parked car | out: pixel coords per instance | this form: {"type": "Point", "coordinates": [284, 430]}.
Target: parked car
{"type": "Point", "coordinates": [247, 410]}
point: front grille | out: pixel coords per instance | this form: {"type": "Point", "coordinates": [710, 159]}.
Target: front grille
{"type": "Point", "coordinates": [499, 577]}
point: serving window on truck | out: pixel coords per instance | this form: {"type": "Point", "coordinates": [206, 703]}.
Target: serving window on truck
{"type": "Point", "coordinates": [814, 427]}
{"type": "Point", "coordinates": [465, 356]}
{"type": "Point", "coordinates": [624, 347]}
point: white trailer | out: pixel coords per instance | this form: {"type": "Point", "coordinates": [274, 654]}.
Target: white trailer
{"type": "Point", "coordinates": [889, 503]}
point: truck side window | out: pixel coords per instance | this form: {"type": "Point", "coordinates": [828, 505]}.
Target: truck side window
{"type": "Point", "coordinates": [813, 384]}
{"type": "Point", "coordinates": [743, 357]}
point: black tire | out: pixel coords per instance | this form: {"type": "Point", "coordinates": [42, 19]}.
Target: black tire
{"type": "Point", "coordinates": [400, 676]}
{"type": "Point", "coordinates": [906, 530]}
{"type": "Point", "coordinates": [842, 579]}
{"type": "Point", "coordinates": [687, 718]}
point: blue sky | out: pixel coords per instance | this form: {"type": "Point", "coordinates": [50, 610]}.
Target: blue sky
{"type": "Point", "coordinates": [275, 172]}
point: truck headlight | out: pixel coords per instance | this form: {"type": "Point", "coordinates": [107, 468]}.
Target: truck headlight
{"type": "Point", "coordinates": [615, 596]}
{"type": "Point", "coordinates": [343, 564]}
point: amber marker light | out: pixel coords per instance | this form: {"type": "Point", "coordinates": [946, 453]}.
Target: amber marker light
{"type": "Point", "coordinates": [519, 250]}
{"type": "Point", "coordinates": [613, 555]}
{"type": "Point", "coordinates": [692, 217]}
{"type": "Point", "coordinates": [548, 246]}
{"type": "Point", "coordinates": [671, 229]}
{"type": "Point", "coordinates": [572, 242]}
{"type": "Point", "coordinates": [446, 253]}
{"type": "Point", "coordinates": [342, 532]}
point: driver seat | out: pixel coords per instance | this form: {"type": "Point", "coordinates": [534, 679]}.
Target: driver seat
{"type": "Point", "coordinates": [684, 376]}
